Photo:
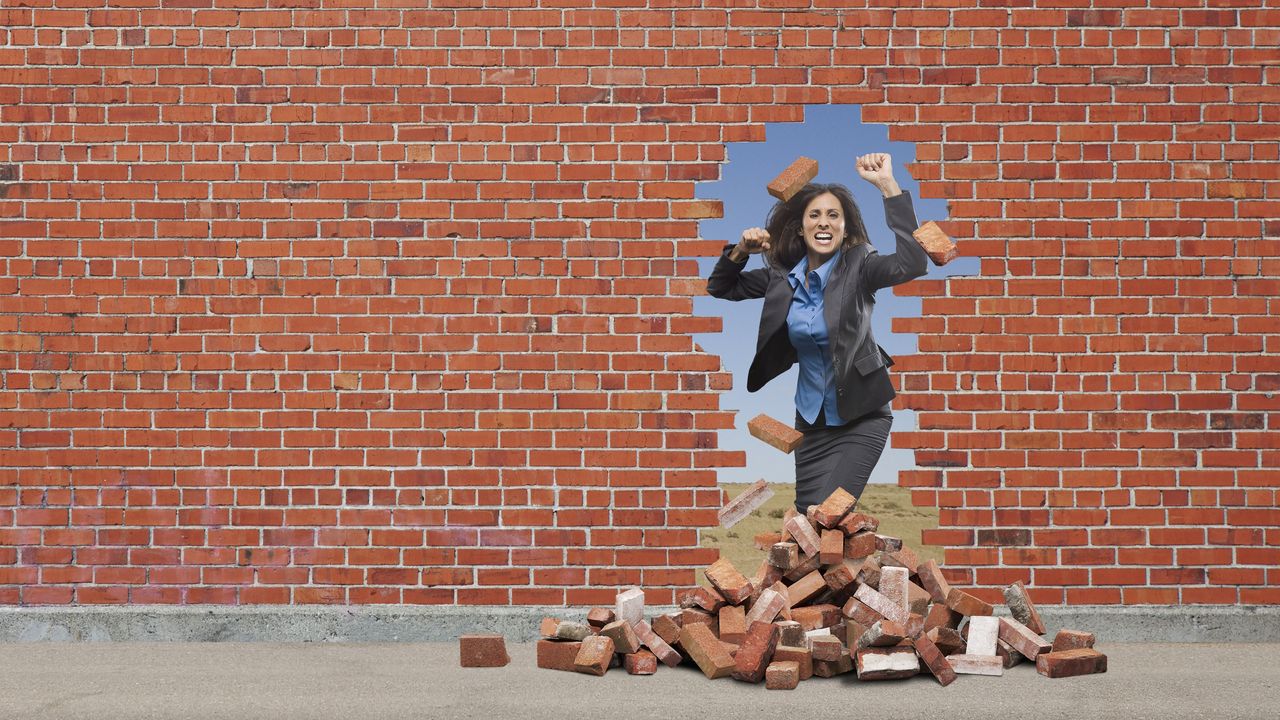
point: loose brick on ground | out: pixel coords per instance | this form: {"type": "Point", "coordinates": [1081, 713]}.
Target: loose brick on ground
{"type": "Point", "coordinates": [650, 639]}
{"type": "Point", "coordinates": [630, 605]}
{"type": "Point", "coordinates": [623, 636]}
{"type": "Point", "coordinates": [1008, 656]}
{"type": "Point", "coordinates": [791, 180]}
{"type": "Point", "coordinates": [557, 655]}
{"type": "Point", "coordinates": [755, 652]}
{"type": "Point", "coordinates": [482, 651]}
{"type": "Point", "coordinates": [766, 607]}
{"type": "Point", "coordinates": [826, 647]}
{"type": "Point", "coordinates": [667, 627]}
{"type": "Point", "coordinates": [783, 675]}
{"type": "Point", "coordinates": [802, 656]}
{"type": "Point", "coordinates": [594, 655]}
{"type": "Point", "coordinates": [1070, 663]}
{"type": "Point", "coordinates": [744, 504]}
{"type": "Point", "coordinates": [832, 668]}
{"type": "Point", "coordinates": [982, 634]}
{"type": "Point", "coordinates": [892, 663]}
{"type": "Point", "coordinates": [790, 633]}
{"type": "Point", "coordinates": [775, 433]}
{"type": "Point", "coordinates": [1071, 639]}
{"type": "Point", "coordinates": [706, 650]}
{"type": "Point", "coordinates": [725, 578]}
{"type": "Point", "coordinates": [947, 640]}
{"type": "Point", "coordinates": [933, 581]}
{"type": "Point", "coordinates": [1021, 638]}
{"type": "Point", "coordinates": [599, 617]}
{"type": "Point", "coordinates": [878, 602]}
{"type": "Point", "coordinates": [934, 660]}
{"type": "Point", "coordinates": [641, 662]}
{"type": "Point", "coordinates": [966, 604]}
{"type": "Point", "coordinates": [976, 664]}
{"type": "Point", "coordinates": [1022, 609]}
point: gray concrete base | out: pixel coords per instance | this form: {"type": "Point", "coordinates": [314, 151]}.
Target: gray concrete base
{"type": "Point", "coordinates": [270, 623]}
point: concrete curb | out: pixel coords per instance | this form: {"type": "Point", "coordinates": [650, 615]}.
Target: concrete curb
{"type": "Point", "coordinates": [357, 624]}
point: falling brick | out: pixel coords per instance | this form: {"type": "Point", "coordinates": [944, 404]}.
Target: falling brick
{"type": "Point", "coordinates": [790, 181]}
{"type": "Point", "coordinates": [940, 248]}
{"type": "Point", "coordinates": [744, 504]}
{"type": "Point", "coordinates": [482, 651]}
{"type": "Point", "coordinates": [778, 434]}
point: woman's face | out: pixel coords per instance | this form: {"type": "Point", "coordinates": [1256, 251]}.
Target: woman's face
{"type": "Point", "coordinates": [823, 227]}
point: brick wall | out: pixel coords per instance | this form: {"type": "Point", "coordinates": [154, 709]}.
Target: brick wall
{"type": "Point", "coordinates": [328, 304]}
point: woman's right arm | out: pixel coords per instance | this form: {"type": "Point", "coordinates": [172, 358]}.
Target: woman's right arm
{"type": "Point", "coordinates": [728, 281]}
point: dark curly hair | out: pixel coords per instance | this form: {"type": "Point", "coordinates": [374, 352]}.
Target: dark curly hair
{"type": "Point", "coordinates": [786, 246]}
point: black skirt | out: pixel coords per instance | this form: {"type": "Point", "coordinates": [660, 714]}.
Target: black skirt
{"type": "Point", "coordinates": [838, 457]}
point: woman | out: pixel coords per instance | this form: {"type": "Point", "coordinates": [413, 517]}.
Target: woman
{"type": "Point", "coordinates": [819, 289]}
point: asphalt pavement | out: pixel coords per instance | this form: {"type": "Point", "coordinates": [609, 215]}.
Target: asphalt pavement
{"type": "Point", "coordinates": [179, 681]}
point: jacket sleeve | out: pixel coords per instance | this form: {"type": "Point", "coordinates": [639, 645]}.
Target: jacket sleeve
{"type": "Point", "coordinates": [728, 282]}
{"type": "Point", "coordinates": [910, 261]}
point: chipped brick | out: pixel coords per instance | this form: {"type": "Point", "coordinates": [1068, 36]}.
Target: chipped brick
{"type": "Point", "coordinates": [1071, 640]}
{"type": "Point", "coordinates": [1022, 609]}
{"type": "Point", "coordinates": [744, 504]}
{"type": "Point", "coordinates": [573, 631]}
{"type": "Point", "coordinates": [599, 617]}
{"type": "Point", "coordinates": [775, 433]}
{"type": "Point", "coordinates": [966, 604]}
{"type": "Point", "coordinates": [934, 660]}
{"type": "Point", "coordinates": [887, 663]}
{"type": "Point", "coordinates": [855, 522]}
{"type": "Point", "coordinates": [940, 248]}
{"type": "Point", "coordinates": [482, 651]}
{"type": "Point", "coordinates": [707, 652]}
{"type": "Point", "coordinates": [1070, 663]}
{"type": "Point", "coordinates": [641, 662]}
{"type": "Point", "coordinates": [1021, 638]}
{"type": "Point", "coordinates": [976, 664]}
{"type": "Point", "coordinates": [623, 636]}
{"type": "Point", "coordinates": [790, 181]}
{"type": "Point", "coordinates": [806, 537]}
{"type": "Point", "coordinates": [755, 652]}
{"type": "Point", "coordinates": [784, 556]}
{"type": "Point", "coordinates": [800, 655]}
{"type": "Point", "coordinates": [834, 508]}
{"type": "Point", "coordinates": [594, 656]}
{"type": "Point", "coordinates": [782, 675]}
{"type": "Point", "coordinates": [650, 639]}
{"type": "Point", "coordinates": [725, 578]}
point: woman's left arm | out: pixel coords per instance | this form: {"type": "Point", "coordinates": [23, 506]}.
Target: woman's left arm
{"type": "Point", "coordinates": [910, 260]}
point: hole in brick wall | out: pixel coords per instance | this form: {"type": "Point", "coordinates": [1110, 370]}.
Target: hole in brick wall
{"type": "Point", "coordinates": [834, 136]}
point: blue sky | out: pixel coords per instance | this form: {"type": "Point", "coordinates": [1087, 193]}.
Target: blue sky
{"type": "Point", "coordinates": [834, 136]}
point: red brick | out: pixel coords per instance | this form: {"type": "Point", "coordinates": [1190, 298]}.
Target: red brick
{"type": "Point", "coordinates": [557, 655]}
{"type": "Point", "coordinates": [599, 617]}
{"type": "Point", "coordinates": [887, 663]}
{"type": "Point", "coordinates": [755, 652]}
{"type": "Point", "coordinates": [725, 578]}
{"type": "Point", "coordinates": [766, 607]}
{"type": "Point", "coordinates": [1070, 663]}
{"type": "Point", "coordinates": [698, 616]}
{"type": "Point", "coordinates": [802, 656]}
{"type": "Point", "coordinates": [806, 537]}
{"type": "Point", "coordinates": [966, 604]}
{"type": "Point", "coordinates": [903, 557]}
{"type": "Point", "coordinates": [947, 640]}
{"type": "Point", "coordinates": [934, 660]}
{"type": "Point", "coordinates": [940, 248]}
{"type": "Point", "coordinates": [826, 647]}
{"type": "Point", "coordinates": [832, 510]}
{"type": "Point", "coordinates": [885, 633]}
{"type": "Point", "coordinates": [702, 597]}
{"type": "Point", "coordinates": [860, 613]}
{"type": "Point", "coordinates": [650, 639]}
{"type": "Point", "coordinates": [856, 522]}
{"type": "Point", "coordinates": [1071, 640]}
{"type": "Point", "coordinates": [940, 615]}
{"type": "Point", "coordinates": [791, 633]}
{"type": "Point", "coordinates": [1008, 656]}
{"type": "Point", "coordinates": [667, 627]}
{"type": "Point", "coordinates": [744, 504]}
{"type": "Point", "coordinates": [778, 434]}
{"type": "Point", "coordinates": [933, 581]}
{"type": "Point", "coordinates": [1021, 638]}
{"type": "Point", "coordinates": [791, 180]}
{"type": "Point", "coordinates": [976, 664]}
{"type": "Point", "coordinates": [641, 662]}
{"type": "Point", "coordinates": [766, 540]}
{"type": "Point", "coordinates": [594, 656]}
{"type": "Point", "coordinates": [884, 606]}
{"type": "Point", "coordinates": [806, 566]}
{"type": "Point", "coordinates": [733, 623]}
{"type": "Point", "coordinates": [623, 636]}
{"type": "Point", "coordinates": [893, 585]}
{"type": "Point", "coordinates": [483, 651]}
{"type": "Point", "coordinates": [832, 668]}
{"type": "Point", "coordinates": [831, 547]}
{"type": "Point", "coordinates": [547, 628]}
{"type": "Point", "coordinates": [1022, 609]}
{"type": "Point", "coordinates": [860, 545]}
{"type": "Point", "coordinates": [806, 589]}
{"type": "Point", "coordinates": [917, 599]}
{"type": "Point", "coordinates": [782, 675]}
{"type": "Point", "coordinates": [706, 651]}
{"type": "Point", "coordinates": [816, 617]}
{"type": "Point", "coordinates": [784, 555]}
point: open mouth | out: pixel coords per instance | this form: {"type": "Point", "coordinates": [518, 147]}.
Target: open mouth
{"type": "Point", "coordinates": [822, 237]}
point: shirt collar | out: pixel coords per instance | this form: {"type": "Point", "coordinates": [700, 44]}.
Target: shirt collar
{"type": "Point", "coordinates": [802, 268]}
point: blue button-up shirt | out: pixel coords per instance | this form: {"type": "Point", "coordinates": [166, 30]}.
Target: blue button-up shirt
{"type": "Point", "coordinates": [807, 328]}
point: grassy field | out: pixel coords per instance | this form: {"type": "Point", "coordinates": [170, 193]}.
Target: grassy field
{"type": "Point", "coordinates": [889, 503]}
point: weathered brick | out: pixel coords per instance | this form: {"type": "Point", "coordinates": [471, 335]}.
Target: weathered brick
{"type": "Point", "coordinates": [623, 636]}
{"type": "Point", "coordinates": [733, 623]}
{"type": "Point", "coordinates": [482, 651]}
{"type": "Point", "coordinates": [892, 663]}
{"type": "Point", "coordinates": [802, 656]}
{"type": "Point", "coordinates": [878, 602]}
{"type": "Point", "coordinates": [1008, 656]}
{"type": "Point", "coordinates": [976, 664]}
{"type": "Point", "coordinates": [859, 612]}
{"type": "Point", "coordinates": [1021, 638]}
{"type": "Point", "coordinates": [641, 662]}
{"type": "Point", "coordinates": [784, 555]}
{"type": "Point", "coordinates": [832, 668]}
{"type": "Point", "coordinates": [650, 639]}
{"type": "Point", "coordinates": [790, 633]}
{"type": "Point", "coordinates": [806, 537]}
{"type": "Point", "coordinates": [940, 615]}
{"type": "Point", "coordinates": [791, 180]}
{"type": "Point", "coordinates": [966, 604]}
{"type": "Point", "coordinates": [766, 607]}
{"type": "Point", "coordinates": [1071, 640]}
{"type": "Point", "coordinates": [884, 633]}
{"type": "Point", "coordinates": [1070, 663]}
{"type": "Point", "coordinates": [1022, 609]}
{"type": "Point", "coordinates": [574, 631]}
{"type": "Point", "coordinates": [787, 514]}
{"type": "Point", "coordinates": [934, 660]}
{"type": "Point", "coordinates": [744, 504]}
{"type": "Point", "coordinates": [692, 616]}
{"type": "Point", "coordinates": [826, 647]}
{"type": "Point", "coordinates": [547, 628]}
{"type": "Point", "coordinates": [594, 655]}
{"type": "Point", "coordinates": [893, 585]}
{"type": "Point", "coordinates": [766, 540]}
{"type": "Point", "coordinates": [782, 675]}
{"type": "Point", "coordinates": [755, 652]}
{"type": "Point", "coordinates": [947, 639]}
{"type": "Point", "coordinates": [903, 557]}
{"type": "Point", "coordinates": [940, 248]}
{"type": "Point", "coordinates": [766, 575]}
{"type": "Point", "coordinates": [982, 633]}
{"type": "Point", "coordinates": [775, 433]}
{"type": "Point", "coordinates": [667, 627]}
{"type": "Point", "coordinates": [917, 599]}
{"type": "Point", "coordinates": [728, 581]}
{"type": "Point", "coordinates": [706, 651]}
{"type": "Point", "coordinates": [869, 573]}
{"type": "Point", "coordinates": [856, 522]}
{"type": "Point", "coordinates": [831, 511]}
{"type": "Point", "coordinates": [599, 617]}
{"type": "Point", "coordinates": [808, 564]}
{"type": "Point", "coordinates": [629, 606]}
{"type": "Point", "coordinates": [933, 581]}
{"type": "Point", "coordinates": [702, 597]}
{"type": "Point", "coordinates": [888, 543]}
{"type": "Point", "coordinates": [831, 546]}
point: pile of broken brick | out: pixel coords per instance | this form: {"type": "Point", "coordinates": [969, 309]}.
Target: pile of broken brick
{"type": "Point", "coordinates": [832, 597]}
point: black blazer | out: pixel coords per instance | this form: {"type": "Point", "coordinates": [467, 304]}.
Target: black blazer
{"type": "Point", "coordinates": [860, 364]}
